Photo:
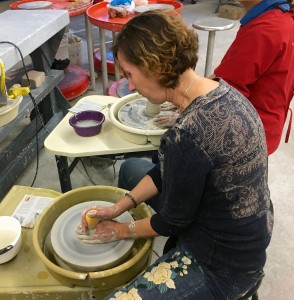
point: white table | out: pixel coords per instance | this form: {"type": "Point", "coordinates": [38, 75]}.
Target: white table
{"type": "Point", "coordinates": [29, 30]}
{"type": "Point", "coordinates": [63, 142]}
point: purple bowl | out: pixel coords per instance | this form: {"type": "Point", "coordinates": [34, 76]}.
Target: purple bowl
{"type": "Point", "coordinates": [87, 122]}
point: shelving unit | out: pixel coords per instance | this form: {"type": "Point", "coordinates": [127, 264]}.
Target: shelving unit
{"type": "Point", "coordinates": [38, 35]}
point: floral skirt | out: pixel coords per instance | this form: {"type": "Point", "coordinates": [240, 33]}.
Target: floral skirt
{"type": "Point", "coordinates": [177, 275]}
{"type": "Point", "coordinates": [168, 278]}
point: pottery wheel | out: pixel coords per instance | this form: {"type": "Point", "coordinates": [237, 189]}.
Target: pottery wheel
{"type": "Point", "coordinates": [81, 256]}
{"type": "Point", "coordinates": [35, 5]}
{"type": "Point", "coordinates": [133, 114]}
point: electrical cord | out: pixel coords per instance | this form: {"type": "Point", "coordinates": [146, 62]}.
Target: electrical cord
{"type": "Point", "coordinates": [38, 114]}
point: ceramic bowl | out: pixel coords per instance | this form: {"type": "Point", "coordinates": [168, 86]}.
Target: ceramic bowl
{"type": "Point", "coordinates": [10, 238]}
{"type": "Point", "coordinates": [87, 122]}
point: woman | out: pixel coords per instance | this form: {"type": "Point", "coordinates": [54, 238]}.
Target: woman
{"type": "Point", "coordinates": [211, 179]}
{"type": "Point", "coordinates": [265, 77]}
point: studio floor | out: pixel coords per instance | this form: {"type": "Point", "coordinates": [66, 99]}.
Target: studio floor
{"type": "Point", "coordinates": [279, 273]}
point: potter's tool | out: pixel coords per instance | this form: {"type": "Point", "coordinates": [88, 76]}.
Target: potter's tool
{"type": "Point", "coordinates": [92, 221]}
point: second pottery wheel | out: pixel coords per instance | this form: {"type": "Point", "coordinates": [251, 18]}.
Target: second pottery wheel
{"type": "Point", "coordinates": [127, 115]}
{"type": "Point", "coordinates": [134, 114]}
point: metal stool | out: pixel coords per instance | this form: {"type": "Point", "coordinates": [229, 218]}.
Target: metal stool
{"type": "Point", "coordinates": [252, 294]}
{"type": "Point", "coordinates": [212, 25]}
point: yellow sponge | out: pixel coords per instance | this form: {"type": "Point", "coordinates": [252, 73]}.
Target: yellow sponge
{"type": "Point", "coordinates": [92, 221]}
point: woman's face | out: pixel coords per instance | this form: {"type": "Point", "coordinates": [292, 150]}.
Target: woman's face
{"type": "Point", "coordinates": [147, 86]}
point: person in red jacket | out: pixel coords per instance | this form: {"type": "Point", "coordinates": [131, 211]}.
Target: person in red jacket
{"type": "Point", "coordinates": [260, 64]}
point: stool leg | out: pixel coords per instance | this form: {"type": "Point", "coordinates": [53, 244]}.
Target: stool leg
{"type": "Point", "coordinates": [209, 53]}
{"type": "Point", "coordinates": [103, 60]}
{"type": "Point", "coordinates": [255, 296]}
{"type": "Point", "coordinates": [116, 69]}
{"type": "Point", "coordinates": [89, 36]}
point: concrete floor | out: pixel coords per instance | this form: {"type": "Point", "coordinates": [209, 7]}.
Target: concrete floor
{"type": "Point", "coordinates": [278, 282]}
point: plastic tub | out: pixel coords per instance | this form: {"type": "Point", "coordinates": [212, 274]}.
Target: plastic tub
{"type": "Point", "coordinates": [10, 111]}
{"type": "Point", "coordinates": [10, 233]}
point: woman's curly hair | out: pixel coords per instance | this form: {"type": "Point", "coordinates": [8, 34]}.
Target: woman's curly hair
{"type": "Point", "coordinates": [160, 43]}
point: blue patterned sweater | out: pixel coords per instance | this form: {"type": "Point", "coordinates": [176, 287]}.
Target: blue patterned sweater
{"type": "Point", "coordinates": [212, 175]}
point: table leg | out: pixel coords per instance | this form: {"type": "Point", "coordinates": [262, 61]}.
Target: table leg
{"type": "Point", "coordinates": [209, 53]}
{"type": "Point", "coordinates": [116, 68]}
{"type": "Point", "coordinates": [63, 173]}
{"type": "Point", "coordinates": [103, 60]}
{"type": "Point", "coordinates": [89, 36]}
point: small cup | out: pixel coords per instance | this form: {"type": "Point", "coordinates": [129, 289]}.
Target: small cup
{"type": "Point", "coordinates": [151, 109]}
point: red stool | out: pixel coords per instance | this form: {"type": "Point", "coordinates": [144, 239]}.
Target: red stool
{"type": "Point", "coordinates": [74, 83]}
{"type": "Point", "coordinates": [109, 61]}
{"type": "Point", "coordinates": [119, 88]}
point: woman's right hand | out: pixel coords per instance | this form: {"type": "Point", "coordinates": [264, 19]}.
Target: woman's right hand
{"type": "Point", "coordinates": [166, 120]}
{"type": "Point", "coordinates": [102, 213]}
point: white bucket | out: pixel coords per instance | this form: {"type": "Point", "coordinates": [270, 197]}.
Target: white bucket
{"type": "Point", "coordinates": [62, 52]}
{"type": "Point", "coordinates": [75, 49]}
{"type": "Point", "coordinates": [10, 111]}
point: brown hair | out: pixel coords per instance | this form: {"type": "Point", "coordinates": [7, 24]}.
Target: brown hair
{"type": "Point", "coordinates": [160, 43]}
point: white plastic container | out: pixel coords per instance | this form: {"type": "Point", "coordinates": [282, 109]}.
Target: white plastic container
{"type": "Point", "coordinates": [75, 49]}
{"type": "Point", "coordinates": [10, 238]}
{"type": "Point", "coordinates": [10, 111]}
{"type": "Point", "coordinates": [62, 52]}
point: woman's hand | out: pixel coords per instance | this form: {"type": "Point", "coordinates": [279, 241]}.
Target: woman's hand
{"type": "Point", "coordinates": [166, 120]}
{"type": "Point", "coordinates": [99, 213]}
{"type": "Point", "coordinates": [104, 232]}
{"type": "Point", "coordinates": [167, 106]}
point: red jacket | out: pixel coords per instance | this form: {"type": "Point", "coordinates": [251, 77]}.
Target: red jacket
{"type": "Point", "coordinates": [260, 64]}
